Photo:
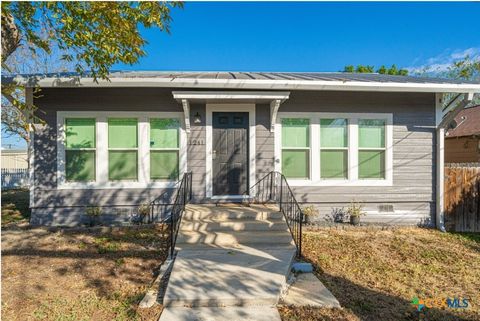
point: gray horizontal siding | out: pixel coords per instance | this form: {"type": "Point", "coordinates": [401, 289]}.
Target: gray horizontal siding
{"type": "Point", "coordinates": [51, 100]}
{"type": "Point", "coordinates": [413, 190]}
{"type": "Point", "coordinates": [414, 153]}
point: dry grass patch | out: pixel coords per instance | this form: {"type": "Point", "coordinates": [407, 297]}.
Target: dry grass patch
{"type": "Point", "coordinates": [15, 206]}
{"type": "Point", "coordinates": [79, 275]}
{"type": "Point", "coordinates": [375, 274]}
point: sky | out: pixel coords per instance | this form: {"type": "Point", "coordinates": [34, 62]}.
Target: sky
{"type": "Point", "coordinates": [309, 36]}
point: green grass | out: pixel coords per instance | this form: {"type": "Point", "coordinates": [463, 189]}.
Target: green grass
{"type": "Point", "coordinates": [15, 206]}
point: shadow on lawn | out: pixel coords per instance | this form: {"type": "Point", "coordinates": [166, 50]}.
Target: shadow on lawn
{"type": "Point", "coordinates": [371, 305]}
{"type": "Point", "coordinates": [100, 261]}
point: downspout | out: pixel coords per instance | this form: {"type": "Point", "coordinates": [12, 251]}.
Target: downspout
{"type": "Point", "coordinates": [443, 117]}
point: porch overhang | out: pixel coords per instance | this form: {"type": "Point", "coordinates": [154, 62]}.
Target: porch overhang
{"type": "Point", "coordinates": [273, 98]}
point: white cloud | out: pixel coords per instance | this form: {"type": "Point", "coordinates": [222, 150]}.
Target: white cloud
{"type": "Point", "coordinates": [443, 61]}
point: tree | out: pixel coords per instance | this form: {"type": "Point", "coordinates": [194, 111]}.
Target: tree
{"type": "Point", "coordinates": [382, 70]}
{"type": "Point", "coordinates": [90, 36]}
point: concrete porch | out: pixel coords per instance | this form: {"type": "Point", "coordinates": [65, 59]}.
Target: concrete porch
{"type": "Point", "coordinates": [228, 256]}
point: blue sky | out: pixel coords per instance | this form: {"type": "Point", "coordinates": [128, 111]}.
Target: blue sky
{"type": "Point", "coordinates": [306, 36]}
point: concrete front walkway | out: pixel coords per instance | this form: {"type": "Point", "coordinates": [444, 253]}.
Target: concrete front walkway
{"type": "Point", "coordinates": [231, 262]}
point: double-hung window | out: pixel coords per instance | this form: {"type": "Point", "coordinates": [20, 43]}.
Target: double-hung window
{"type": "Point", "coordinates": [296, 148]}
{"type": "Point", "coordinates": [333, 148]}
{"type": "Point", "coordinates": [80, 142]}
{"type": "Point", "coordinates": [164, 148]}
{"type": "Point", "coordinates": [371, 149]}
{"type": "Point", "coordinates": [122, 149]}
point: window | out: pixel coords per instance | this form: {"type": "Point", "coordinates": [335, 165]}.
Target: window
{"type": "Point", "coordinates": [122, 149]}
{"type": "Point", "coordinates": [125, 149]}
{"type": "Point", "coordinates": [371, 149]}
{"type": "Point", "coordinates": [80, 149]}
{"type": "Point", "coordinates": [296, 148]}
{"type": "Point", "coordinates": [164, 148]}
{"type": "Point", "coordinates": [333, 149]}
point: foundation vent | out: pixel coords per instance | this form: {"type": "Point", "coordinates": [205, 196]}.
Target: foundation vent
{"type": "Point", "coordinates": [385, 208]}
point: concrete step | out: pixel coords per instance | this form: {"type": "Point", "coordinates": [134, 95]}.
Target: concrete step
{"type": "Point", "coordinates": [246, 276]}
{"type": "Point", "coordinates": [195, 212]}
{"type": "Point", "coordinates": [234, 237]}
{"type": "Point", "coordinates": [209, 225]}
{"type": "Point", "coordinates": [257, 313]}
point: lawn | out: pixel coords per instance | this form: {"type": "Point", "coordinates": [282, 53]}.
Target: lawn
{"type": "Point", "coordinates": [375, 274]}
{"type": "Point", "coordinates": [15, 207]}
{"type": "Point", "coordinates": [79, 275]}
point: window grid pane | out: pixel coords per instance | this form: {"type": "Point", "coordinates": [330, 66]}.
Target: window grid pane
{"type": "Point", "coordinates": [80, 132]}
{"type": "Point", "coordinates": [295, 132]}
{"type": "Point", "coordinates": [333, 133]}
{"type": "Point", "coordinates": [122, 165]}
{"type": "Point", "coordinates": [164, 165]}
{"type": "Point", "coordinates": [371, 164]}
{"type": "Point", "coordinates": [334, 164]}
{"type": "Point", "coordinates": [371, 133]}
{"type": "Point", "coordinates": [295, 163]}
{"type": "Point", "coordinates": [122, 133]}
{"type": "Point", "coordinates": [164, 133]}
{"type": "Point", "coordinates": [80, 165]}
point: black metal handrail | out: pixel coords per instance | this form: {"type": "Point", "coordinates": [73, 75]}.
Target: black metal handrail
{"type": "Point", "coordinates": [274, 188]}
{"type": "Point", "coordinates": [182, 198]}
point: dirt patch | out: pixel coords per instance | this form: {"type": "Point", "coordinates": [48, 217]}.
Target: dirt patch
{"type": "Point", "coordinates": [79, 275]}
{"type": "Point", "coordinates": [15, 206]}
{"type": "Point", "coordinates": [376, 274]}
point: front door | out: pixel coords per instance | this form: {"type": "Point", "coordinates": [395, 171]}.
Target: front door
{"type": "Point", "coordinates": [230, 153]}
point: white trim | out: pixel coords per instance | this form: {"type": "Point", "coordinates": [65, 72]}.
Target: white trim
{"type": "Point", "coordinates": [274, 106]}
{"type": "Point", "coordinates": [31, 150]}
{"type": "Point", "coordinates": [233, 107]}
{"type": "Point", "coordinates": [440, 164]}
{"type": "Point", "coordinates": [352, 118]}
{"type": "Point", "coordinates": [267, 84]}
{"type": "Point", "coordinates": [253, 95]}
{"type": "Point", "coordinates": [101, 159]}
{"type": "Point", "coordinates": [186, 112]}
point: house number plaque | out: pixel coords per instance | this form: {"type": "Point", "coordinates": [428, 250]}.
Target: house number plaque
{"type": "Point", "coordinates": [196, 142]}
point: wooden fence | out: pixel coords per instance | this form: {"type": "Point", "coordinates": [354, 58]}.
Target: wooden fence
{"type": "Point", "coordinates": [14, 178]}
{"type": "Point", "coordinates": [462, 197]}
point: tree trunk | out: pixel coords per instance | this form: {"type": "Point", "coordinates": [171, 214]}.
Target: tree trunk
{"type": "Point", "coordinates": [10, 36]}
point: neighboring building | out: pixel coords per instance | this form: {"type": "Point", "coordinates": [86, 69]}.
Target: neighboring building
{"type": "Point", "coordinates": [462, 143]}
{"type": "Point", "coordinates": [337, 137]}
{"type": "Point", "coordinates": [14, 159]}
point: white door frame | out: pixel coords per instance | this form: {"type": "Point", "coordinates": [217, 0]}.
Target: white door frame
{"type": "Point", "coordinates": [229, 107]}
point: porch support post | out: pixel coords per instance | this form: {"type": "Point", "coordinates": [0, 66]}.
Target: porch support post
{"type": "Point", "coordinates": [274, 105]}
{"type": "Point", "coordinates": [186, 111]}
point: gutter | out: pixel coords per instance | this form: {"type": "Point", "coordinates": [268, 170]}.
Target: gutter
{"type": "Point", "coordinates": [238, 84]}
{"type": "Point", "coordinates": [444, 116]}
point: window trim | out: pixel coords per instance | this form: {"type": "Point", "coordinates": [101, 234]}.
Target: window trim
{"type": "Point", "coordinates": [101, 155]}
{"type": "Point", "coordinates": [308, 148]}
{"type": "Point", "coordinates": [124, 149]}
{"type": "Point", "coordinates": [352, 119]}
{"type": "Point", "coordinates": [163, 149]}
{"type": "Point", "coordinates": [94, 149]}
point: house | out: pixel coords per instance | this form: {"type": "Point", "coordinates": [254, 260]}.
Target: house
{"type": "Point", "coordinates": [462, 143]}
{"type": "Point", "coordinates": [14, 159]}
{"type": "Point", "coordinates": [337, 137]}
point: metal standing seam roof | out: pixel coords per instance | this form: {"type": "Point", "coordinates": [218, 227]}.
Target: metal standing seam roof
{"type": "Point", "coordinates": [312, 76]}
{"type": "Point", "coordinates": [252, 80]}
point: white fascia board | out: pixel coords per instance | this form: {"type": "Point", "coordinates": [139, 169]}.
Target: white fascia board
{"type": "Point", "coordinates": [266, 95]}
{"type": "Point", "coordinates": [265, 84]}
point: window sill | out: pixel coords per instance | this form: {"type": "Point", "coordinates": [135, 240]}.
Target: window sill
{"type": "Point", "coordinates": [117, 185]}
{"type": "Point", "coordinates": [340, 183]}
